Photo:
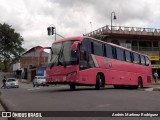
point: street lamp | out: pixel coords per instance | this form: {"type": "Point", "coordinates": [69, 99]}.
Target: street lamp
{"type": "Point", "coordinates": [112, 17]}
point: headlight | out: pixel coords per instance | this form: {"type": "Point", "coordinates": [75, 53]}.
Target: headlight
{"type": "Point", "coordinates": [72, 73]}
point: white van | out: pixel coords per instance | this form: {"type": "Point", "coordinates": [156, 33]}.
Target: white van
{"type": "Point", "coordinates": [39, 81]}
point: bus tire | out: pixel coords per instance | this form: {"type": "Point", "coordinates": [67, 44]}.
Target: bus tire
{"type": "Point", "coordinates": [140, 83]}
{"type": "Point", "coordinates": [72, 86]}
{"type": "Point", "coordinates": [98, 82]}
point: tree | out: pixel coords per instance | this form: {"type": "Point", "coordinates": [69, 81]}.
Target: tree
{"type": "Point", "coordinates": [10, 45]}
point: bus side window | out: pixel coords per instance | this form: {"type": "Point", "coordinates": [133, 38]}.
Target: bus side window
{"type": "Point", "coordinates": [86, 46]}
{"type": "Point", "coordinates": [98, 48]}
{"type": "Point", "coordinates": [120, 54]}
{"type": "Point", "coordinates": [142, 60]}
{"type": "Point", "coordinates": [146, 61]}
{"type": "Point", "coordinates": [132, 57]}
{"type": "Point", "coordinates": [108, 51]}
{"type": "Point", "coordinates": [128, 56]}
{"type": "Point", "coordinates": [104, 50]}
{"type": "Point", "coordinates": [139, 60]}
{"type": "Point", "coordinates": [92, 48]}
{"type": "Point", "coordinates": [114, 53]}
{"type": "Point", "coordinates": [136, 58]}
{"type": "Point", "coordinates": [86, 49]}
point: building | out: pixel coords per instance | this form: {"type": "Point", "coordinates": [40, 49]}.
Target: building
{"type": "Point", "coordinates": [29, 61]}
{"type": "Point", "coordinates": [143, 40]}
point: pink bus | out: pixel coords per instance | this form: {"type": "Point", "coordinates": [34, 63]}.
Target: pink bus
{"type": "Point", "coordinates": [87, 61]}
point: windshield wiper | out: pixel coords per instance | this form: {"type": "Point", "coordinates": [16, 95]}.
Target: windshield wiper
{"type": "Point", "coordinates": [51, 54]}
{"type": "Point", "coordinates": [52, 64]}
{"type": "Point", "coordinates": [62, 56]}
{"type": "Point", "coordinates": [63, 63]}
{"type": "Point", "coordinates": [57, 58]}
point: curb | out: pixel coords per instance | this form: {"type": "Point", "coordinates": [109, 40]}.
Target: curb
{"type": "Point", "coordinates": [156, 89]}
{"type": "Point", "coordinates": [152, 89]}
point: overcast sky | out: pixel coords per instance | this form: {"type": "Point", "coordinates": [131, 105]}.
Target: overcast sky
{"type": "Point", "coordinates": [74, 17]}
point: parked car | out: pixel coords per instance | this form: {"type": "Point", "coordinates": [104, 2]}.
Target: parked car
{"type": "Point", "coordinates": [39, 81]}
{"type": "Point", "coordinates": [12, 83]}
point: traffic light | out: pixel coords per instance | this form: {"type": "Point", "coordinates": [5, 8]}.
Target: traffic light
{"type": "Point", "coordinates": [51, 30]}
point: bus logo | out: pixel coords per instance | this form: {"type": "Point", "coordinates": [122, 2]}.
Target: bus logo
{"type": "Point", "coordinates": [110, 65]}
{"type": "Point", "coordinates": [57, 71]}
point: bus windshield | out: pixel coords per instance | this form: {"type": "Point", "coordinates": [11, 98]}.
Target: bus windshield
{"type": "Point", "coordinates": [62, 54]}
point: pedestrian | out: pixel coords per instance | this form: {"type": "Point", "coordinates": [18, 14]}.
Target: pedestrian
{"type": "Point", "coordinates": [156, 77]}
{"type": "Point", "coordinates": [4, 82]}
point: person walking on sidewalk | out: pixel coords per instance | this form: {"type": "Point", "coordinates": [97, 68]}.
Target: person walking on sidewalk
{"type": "Point", "coordinates": [4, 82]}
{"type": "Point", "coordinates": [156, 77]}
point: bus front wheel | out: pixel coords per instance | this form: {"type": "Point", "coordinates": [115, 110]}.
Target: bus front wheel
{"type": "Point", "coordinates": [98, 82]}
{"type": "Point", "coordinates": [140, 83]}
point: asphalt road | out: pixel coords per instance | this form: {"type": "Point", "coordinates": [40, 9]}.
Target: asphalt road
{"type": "Point", "coordinates": [60, 98]}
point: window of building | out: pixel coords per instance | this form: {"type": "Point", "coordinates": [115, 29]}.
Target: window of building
{"type": "Point", "coordinates": [155, 43]}
{"type": "Point", "coordinates": [120, 54]}
{"type": "Point", "coordinates": [155, 46]}
{"type": "Point", "coordinates": [128, 56]}
{"type": "Point", "coordinates": [128, 41]}
{"type": "Point", "coordinates": [115, 42]}
{"type": "Point", "coordinates": [153, 62]}
{"type": "Point", "coordinates": [134, 45]}
{"type": "Point", "coordinates": [145, 45]}
{"type": "Point", "coordinates": [136, 58]}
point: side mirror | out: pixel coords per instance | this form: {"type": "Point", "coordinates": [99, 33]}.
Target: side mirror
{"type": "Point", "coordinates": [75, 46]}
{"type": "Point", "coordinates": [42, 49]}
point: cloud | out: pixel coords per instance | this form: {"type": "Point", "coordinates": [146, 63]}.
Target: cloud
{"type": "Point", "coordinates": [74, 17]}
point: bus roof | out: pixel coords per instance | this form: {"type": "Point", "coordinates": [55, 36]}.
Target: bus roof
{"type": "Point", "coordinates": [80, 38]}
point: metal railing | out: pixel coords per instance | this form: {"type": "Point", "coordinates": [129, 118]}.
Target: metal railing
{"type": "Point", "coordinates": [125, 30]}
{"type": "Point", "coordinates": [145, 48]}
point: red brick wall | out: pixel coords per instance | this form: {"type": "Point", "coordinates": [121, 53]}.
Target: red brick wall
{"type": "Point", "coordinates": [26, 61]}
